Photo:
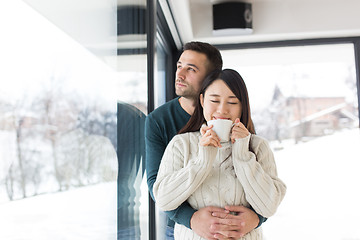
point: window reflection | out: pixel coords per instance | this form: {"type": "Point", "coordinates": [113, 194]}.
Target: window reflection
{"type": "Point", "coordinates": [132, 193]}
{"type": "Point", "coordinates": [131, 155]}
{"type": "Point", "coordinates": [132, 109]}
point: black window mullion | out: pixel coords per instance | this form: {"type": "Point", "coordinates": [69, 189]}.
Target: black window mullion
{"type": "Point", "coordinates": [357, 66]}
{"type": "Point", "coordinates": [150, 35]}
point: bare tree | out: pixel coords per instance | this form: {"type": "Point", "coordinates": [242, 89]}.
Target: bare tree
{"type": "Point", "coordinates": [18, 124]}
{"type": "Point", "coordinates": [21, 171]}
{"type": "Point", "coordinates": [57, 113]}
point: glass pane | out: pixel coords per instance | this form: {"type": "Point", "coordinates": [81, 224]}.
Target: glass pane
{"type": "Point", "coordinates": [160, 75]}
{"type": "Point", "coordinates": [132, 110]}
{"type": "Point", "coordinates": [159, 88]}
{"type": "Point", "coordinates": [304, 101]}
{"type": "Point", "coordinates": [58, 161]}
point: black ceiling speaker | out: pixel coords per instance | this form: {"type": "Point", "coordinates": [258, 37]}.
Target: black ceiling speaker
{"type": "Point", "coordinates": [232, 18]}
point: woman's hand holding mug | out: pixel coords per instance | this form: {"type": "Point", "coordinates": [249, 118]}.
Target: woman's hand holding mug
{"type": "Point", "coordinates": [238, 130]}
{"type": "Point", "coordinates": [209, 137]}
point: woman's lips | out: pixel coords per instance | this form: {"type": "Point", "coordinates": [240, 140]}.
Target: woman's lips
{"type": "Point", "coordinates": [221, 118]}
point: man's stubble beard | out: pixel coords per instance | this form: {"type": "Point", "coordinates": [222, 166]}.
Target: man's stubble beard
{"type": "Point", "coordinates": [189, 93]}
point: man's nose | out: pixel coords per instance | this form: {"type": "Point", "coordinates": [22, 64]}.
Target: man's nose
{"type": "Point", "coordinates": [180, 72]}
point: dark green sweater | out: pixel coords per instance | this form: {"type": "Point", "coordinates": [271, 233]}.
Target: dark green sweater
{"type": "Point", "coordinates": [161, 126]}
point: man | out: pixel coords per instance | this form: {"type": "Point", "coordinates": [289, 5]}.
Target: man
{"type": "Point", "coordinates": [197, 60]}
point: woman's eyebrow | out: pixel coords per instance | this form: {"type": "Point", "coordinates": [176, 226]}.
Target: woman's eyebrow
{"type": "Point", "coordinates": [217, 95]}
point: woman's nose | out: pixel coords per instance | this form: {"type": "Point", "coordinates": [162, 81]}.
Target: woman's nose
{"type": "Point", "coordinates": [222, 108]}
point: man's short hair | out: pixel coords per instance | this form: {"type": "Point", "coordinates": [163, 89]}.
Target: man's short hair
{"type": "Point", "coordinates": [211, 52]}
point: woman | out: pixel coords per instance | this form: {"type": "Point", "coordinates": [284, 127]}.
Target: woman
{"type": "Point", "coordinates": [198, 168]}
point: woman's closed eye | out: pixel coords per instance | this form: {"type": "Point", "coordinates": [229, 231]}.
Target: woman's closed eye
{"type": "Point", "coordinates": [217, 101]}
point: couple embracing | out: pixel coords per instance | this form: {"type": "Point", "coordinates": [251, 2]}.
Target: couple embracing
{"type": "Point", "coordinates": [211, 187]}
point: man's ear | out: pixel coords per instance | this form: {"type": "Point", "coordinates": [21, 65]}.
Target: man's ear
{"type": "Point", "coordinates": [202, 100]}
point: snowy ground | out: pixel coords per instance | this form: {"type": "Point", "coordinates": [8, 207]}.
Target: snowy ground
{"type": "Point", "coordinates": [323, 193]}
{"type": "Point", "coordinates": [322, 200]}
{"type": "Point", "coordinates": [87, 213]}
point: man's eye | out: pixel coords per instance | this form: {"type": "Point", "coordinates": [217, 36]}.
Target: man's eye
{"type": "Point", "coordinates": [191, 69]}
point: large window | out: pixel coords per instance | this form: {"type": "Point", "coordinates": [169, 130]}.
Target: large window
{"type": "Point", "coordinates": [58, 104]}
{"type": "Point", "coordinates": [304, 100]}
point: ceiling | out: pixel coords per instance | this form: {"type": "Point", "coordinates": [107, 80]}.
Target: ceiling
{"type": "Point", "coordinates": [273, 20]}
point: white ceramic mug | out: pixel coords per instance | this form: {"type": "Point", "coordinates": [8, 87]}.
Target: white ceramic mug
{"type": "Point", "coordinates": [222, 128]}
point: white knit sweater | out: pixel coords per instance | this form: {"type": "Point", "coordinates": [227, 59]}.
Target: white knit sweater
{"type": "Point", "coordinates": [210, 176]}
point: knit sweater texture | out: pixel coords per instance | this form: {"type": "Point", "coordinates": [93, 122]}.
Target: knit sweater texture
{"type": "Point", "coordinates": [210, 176]}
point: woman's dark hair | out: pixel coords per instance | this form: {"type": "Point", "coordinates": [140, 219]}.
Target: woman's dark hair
{"type": "Point", "coordinates": [212, 53]}
{"type": "Point", "coordinates": [237, 85]}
